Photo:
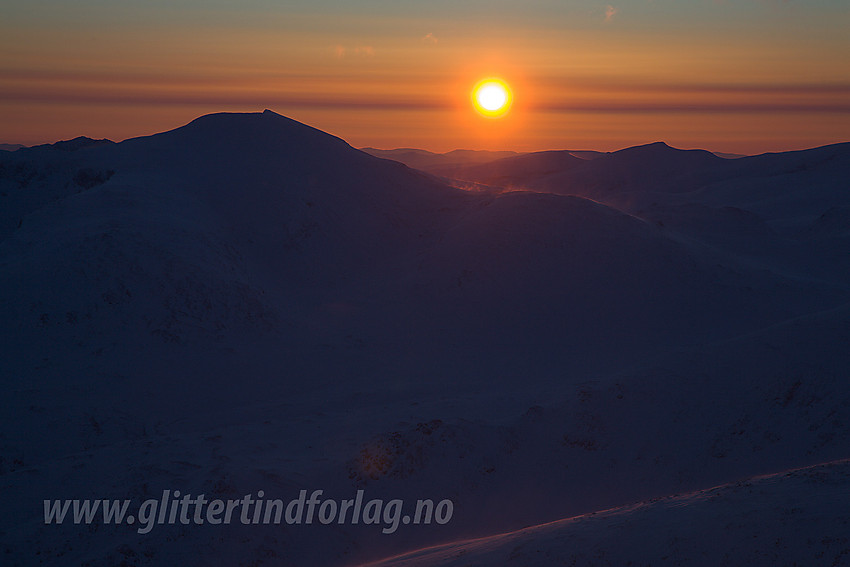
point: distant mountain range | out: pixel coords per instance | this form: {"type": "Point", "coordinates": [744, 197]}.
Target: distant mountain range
{"type": "Point", "coordinates": [456, 161]}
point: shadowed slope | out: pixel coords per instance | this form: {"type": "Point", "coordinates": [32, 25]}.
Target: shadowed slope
{"type": "Point", "coordinates": [789, 517]}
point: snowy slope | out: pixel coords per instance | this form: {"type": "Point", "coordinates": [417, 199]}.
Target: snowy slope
{"type": "Point", "coordinates": [247, 303]}
{"type": "Point", "coordinates": [763, 210]}
{"type": "Point", "coordinates": [796, 517]}
{"type": "Point", "coordinates": [654, 166]}
{"type": "Point", "coordinates": [779, 186]}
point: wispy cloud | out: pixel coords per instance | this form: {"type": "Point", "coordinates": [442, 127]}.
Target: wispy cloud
{"type": "Point", "coordinates": [637, 87]}
{"type": "Point", "coordinates": [389, 102]}
{"type": "Point", "coordinates": [697, 107]}
{"type": "Point", "coordinates": [192, 97]}
{"type": "Point", "coordinates": [613, 96]}
{"type": "Point", "coordinates": [305, 90]}
{"type": "Point", "coordinates": [610, 12]}
{"type": "Point", "coordinates": [12, 77]}
{"type": "Point", "coordinates": [430, 38]}
{"type": "Point", "coordinates": [341, 51]}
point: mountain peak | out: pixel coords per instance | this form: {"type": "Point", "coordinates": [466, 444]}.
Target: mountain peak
{"type": "Point", "coordinates": [662, 150]}
{"type": "Point", "coordinates": [263, 132]}
{"type": "Point", "coordinates": [76, 144]}
{"type": "Point", "coordinates": [654, 147]}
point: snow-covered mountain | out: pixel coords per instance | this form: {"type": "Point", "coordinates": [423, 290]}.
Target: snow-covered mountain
{"type": "Point", "coordinates": [247, 303]}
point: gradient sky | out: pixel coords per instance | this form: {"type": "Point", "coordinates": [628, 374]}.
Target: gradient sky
{"type": "Point", "coordinates": [729, 75]}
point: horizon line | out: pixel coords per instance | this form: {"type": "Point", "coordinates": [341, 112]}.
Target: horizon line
{"type": "Point", "coordinates": [457, 149]}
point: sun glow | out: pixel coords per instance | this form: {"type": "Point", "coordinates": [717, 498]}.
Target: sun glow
{"type": "Point", "coordinates": [492, 97]}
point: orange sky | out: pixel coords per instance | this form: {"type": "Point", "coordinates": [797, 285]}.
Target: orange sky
{"type": "Point", "coordinates": [751, 76]}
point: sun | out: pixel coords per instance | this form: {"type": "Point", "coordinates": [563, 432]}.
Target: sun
{"type": "Point", "coordinates": [492, 97]}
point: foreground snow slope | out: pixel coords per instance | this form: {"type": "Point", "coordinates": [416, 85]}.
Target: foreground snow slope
{"type": "Point", "coordinates": [247, 303]}
{"type": "Point", "coordinates": [797, 517]}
